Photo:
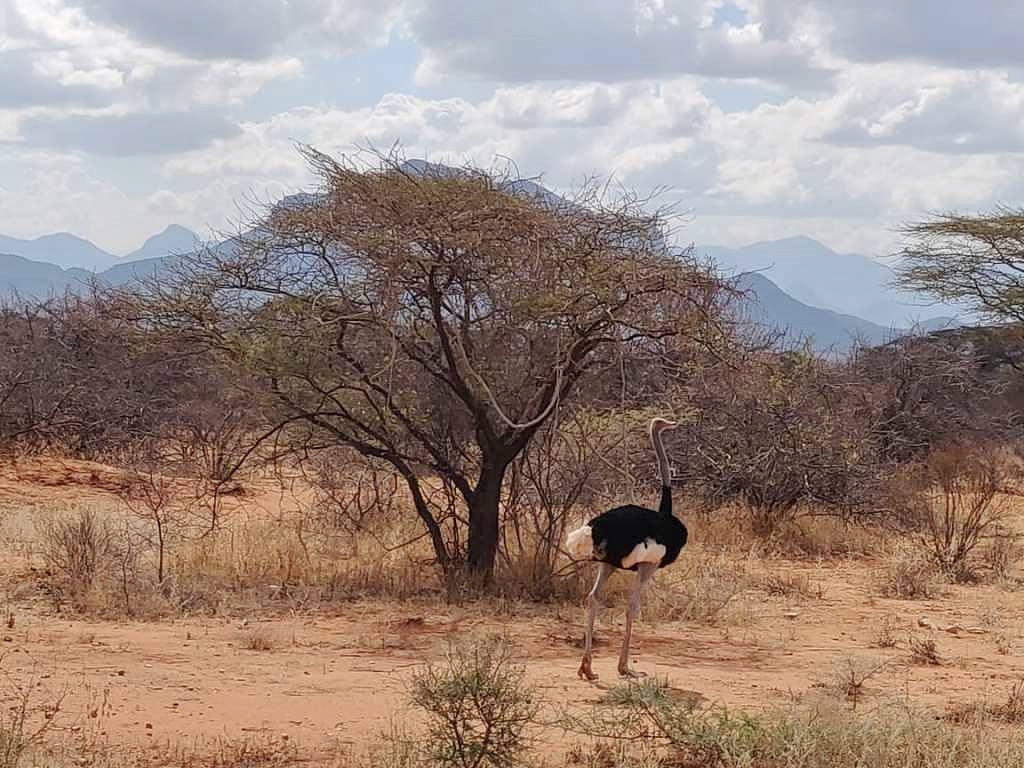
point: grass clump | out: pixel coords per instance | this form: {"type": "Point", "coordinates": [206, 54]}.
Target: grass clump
{"type": "Point", "coordinates": [924, 651]}
{"type": "Point", "coordinates": [258, 639]}
{"type": "Point", "coordinates": [24, 721]}
{"type": "Point", "coordinates": [910, 575]}
{"type": "Point", "coordinates": [883, 737]}
{"type": "Point", "coordinates": [1010, 711]}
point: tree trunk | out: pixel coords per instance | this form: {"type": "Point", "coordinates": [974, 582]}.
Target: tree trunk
{"type": "Point", "coordinates": [484, 531]}
{"type": "Point", "coordinates": [433, 529]}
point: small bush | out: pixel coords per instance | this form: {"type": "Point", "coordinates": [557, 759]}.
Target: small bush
{"type": "Point", "coordinates": [477, 705]}
{"type": "Point", "coordinates": [976, 713]}
{"type": "Point", "coordinates": [909, 575]}
{"type": "Point", "coordinates": [23, 720]}
{"type": "Point", "coordinates": [850, 675]}
{"type": "Point", "coordinates": [957, 495]}
{"type": "Point", "coordinates": [258, 639]}
{"type": "Point", "coordinates": [924, 651]}
{"type": "Point", "coordinates": [1002, 554]}
{"type": "Point", "coordinates": [885, 637]}
{"type": "Point", "coordinates": [79, 547]}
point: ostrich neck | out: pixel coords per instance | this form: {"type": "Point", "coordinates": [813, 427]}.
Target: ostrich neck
{"type": "Point", "coordinates": [665, 507]}
{"type": "Point", "coordinates": [659, 449]}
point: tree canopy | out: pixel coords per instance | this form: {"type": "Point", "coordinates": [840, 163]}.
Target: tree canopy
{"type": "Point", "coordinates": [975, 260]}
{"type": "Point", "coordinates": [434, 318]}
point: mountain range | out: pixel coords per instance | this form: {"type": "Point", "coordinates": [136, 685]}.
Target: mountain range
{"type": "Point", "coordinates": [820, 277]}
{"type": "Point", "coordinates": [797, 284]}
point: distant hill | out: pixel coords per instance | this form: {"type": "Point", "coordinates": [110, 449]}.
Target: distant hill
{"type": "Point", "coordinates": [806, 289]}
{"type": "Point", "coordinates": [843, 282]}
{"type": "Point", "coordinates": [62, 249]}
{"type": "Point", "coordinates": [38, 279]}
{"type": "Point", "coordinates": [53, 263]}
{"type": "Point", "coordinates": [174, 239]}
{"type": "Point", "coordinates": [770, 307]}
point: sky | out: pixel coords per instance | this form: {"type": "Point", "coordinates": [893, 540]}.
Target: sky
{"type": "Point", "coordinates": [757, 119]}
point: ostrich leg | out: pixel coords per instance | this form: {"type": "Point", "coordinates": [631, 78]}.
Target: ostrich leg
{"type": "Point", "coordinates": [593, 603]}
{"type": "Point", "coordinates": [644, 573]}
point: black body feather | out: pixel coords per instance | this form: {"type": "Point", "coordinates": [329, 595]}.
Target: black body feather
{"type": "Point", "coordinates": [618, 531]}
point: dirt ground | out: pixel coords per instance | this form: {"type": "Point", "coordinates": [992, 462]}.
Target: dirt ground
{"type": "Point", "coordinates": [339, 677]}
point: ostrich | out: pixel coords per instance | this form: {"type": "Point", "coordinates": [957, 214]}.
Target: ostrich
{"type": "Point", "coordinates": [632, 538]}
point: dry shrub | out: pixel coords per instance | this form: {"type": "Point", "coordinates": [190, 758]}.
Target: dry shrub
{"type": "Point", "coordinates": [851, 674]}
{"type": "Point", "coordinates": [910, 575]}
{"type": "Point", "coordinates": [1003, 644]}
{"type": "Point", "coordinates": [956, 493]}
{"type": "Point", "coordinates": [895, 736]}
{"type": "Point", "coordinates": [1010, 712]}
{"type": "Point", "coordinates": [79, 547]}
{"type": "Point", "coordinates": [698, 591]}
{"type": "Point", "coordinates": [886, 634]}
{"type": "Point", "coordinates": [775, 432]}
{"type": "Point", "coordinates": [111, 570]}
{"type": "Point", "coordinates": [24, 720]}
{"type": "Point", "coordinates": [924, 651]}
{"type": "Point", "coordinates": [274, 561]}
{"type": "Point", "coordinates": [1002, 554]}
{"type": "Point", "coordinates": [258, 639]}
{"type": "Point", "coordinates": [247, 752]}
{"type": "Point", "coordinates": [783, 584]}
{"type": "Point", "coordinates": [821, 536]}
{"type": "Point", "coordinates": [614, 755]}
{"type": "Point", "coordinates": [150, 493]}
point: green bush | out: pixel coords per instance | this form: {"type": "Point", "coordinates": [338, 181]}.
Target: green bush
{"type": "Point", "coordinates": [477, 705]}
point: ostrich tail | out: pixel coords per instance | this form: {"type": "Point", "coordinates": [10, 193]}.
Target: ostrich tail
{"type": "Point", "coordinates": [580, 543]}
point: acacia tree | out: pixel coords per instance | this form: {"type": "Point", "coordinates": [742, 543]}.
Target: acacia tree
{"type": "Point", "coordinates": [435, 318]}
{"type": "Point", "coordinates": [976, 260]}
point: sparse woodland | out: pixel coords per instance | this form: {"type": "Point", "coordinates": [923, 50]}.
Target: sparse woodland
{"type": "Point", "coordinates": [447, 369]}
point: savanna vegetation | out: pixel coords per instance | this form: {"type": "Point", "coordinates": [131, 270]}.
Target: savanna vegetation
{"type": "Point", "coordinates": [445, 368]}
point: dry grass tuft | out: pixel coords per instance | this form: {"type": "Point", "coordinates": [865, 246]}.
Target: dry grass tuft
{"type": "Point", "coordinates": [910, 575]}
{"type": "Point", "coordinates": [249, 752]}
{"type": "Point", "coordinates": [885, 637]}
{"type": "Point", "coordinates": [258, 638]}
{"type": "Point", "coordinates": [924, 651]}
{"type": "Point", "coordinates": [103, 568]}
{"type": "Point", "coordinates": [704, 593]}
{"type": "Point", "coordinates": [1010, 712]}
{"type": "Point", "coordinates": [850, 675]}
{"type": "Point", "coordinates": [792, 585]}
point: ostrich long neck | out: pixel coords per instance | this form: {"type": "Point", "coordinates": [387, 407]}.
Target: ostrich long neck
{"type": "Point", "coordinates": [666, 478]}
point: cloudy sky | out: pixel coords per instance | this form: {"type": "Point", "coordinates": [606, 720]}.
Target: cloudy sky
{"type": "Point", "coordinates": [763, 118]}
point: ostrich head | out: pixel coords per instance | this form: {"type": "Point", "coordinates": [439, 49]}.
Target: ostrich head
{"type": "Point", "coordinates": [659, 425]}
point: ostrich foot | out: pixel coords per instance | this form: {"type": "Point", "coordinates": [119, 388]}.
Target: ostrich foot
{"type": "Point", "coordinates": [585, 672]}
{"type": "Point", "coordinates": [632, 674]}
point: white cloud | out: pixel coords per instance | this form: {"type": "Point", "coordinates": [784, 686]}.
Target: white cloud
{"type": "Point", "coordinates": [952, 34]}
{"type": "Point", "coordinates": [772, 162]}
{"type": "Point", "coordinates": [601, 40]}
{"type": "Point", "coordinates": [764, 117]}
{"type": "Point", "coordinates": [246, 29]}
{"type": "Point", "coordinates": [952, 111]}
{"type": "Point", "coordinates": [62, 66]}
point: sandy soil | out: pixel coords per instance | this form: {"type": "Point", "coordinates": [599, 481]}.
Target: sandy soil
{"type": "Point", "coordinates": [340, 677]}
